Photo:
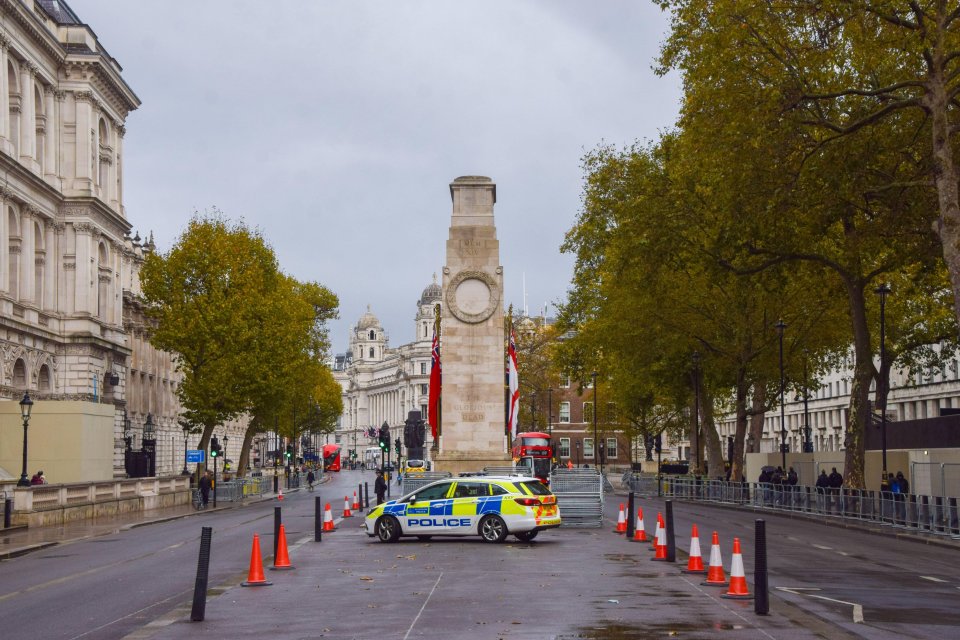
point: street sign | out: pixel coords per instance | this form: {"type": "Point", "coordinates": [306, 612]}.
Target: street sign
{"type": "Point", "coordinates": [195, 455]}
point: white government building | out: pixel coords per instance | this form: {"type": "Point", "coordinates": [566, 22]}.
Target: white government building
{"type": "Point", "coordinates": [382, 384]}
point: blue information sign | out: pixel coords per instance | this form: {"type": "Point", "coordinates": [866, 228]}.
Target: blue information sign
{"type": "Point", "coordinates": [195, 455]}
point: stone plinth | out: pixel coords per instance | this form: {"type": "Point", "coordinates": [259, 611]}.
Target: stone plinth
{"type": "Point", "coordinates": [472, 425]}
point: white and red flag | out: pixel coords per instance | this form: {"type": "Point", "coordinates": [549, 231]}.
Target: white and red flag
{"type": "Point", "coordinates": [433, 400]}
{"type": "Point", "coordinates": [513, 381]}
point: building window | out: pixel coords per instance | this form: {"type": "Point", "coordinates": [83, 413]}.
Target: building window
{"type": "Point", "coordinates": [423, 412]}
{"type": "Point", "coordinates": [373, 336]}
{"type": "Point", "coordinates": [564, 447]}
{"type": "Point", "coordinates": [588, 412]}
{"type": "Point", "coordinates": [423, 368]}
{"type": "Point", "coordinates": [564, 412]}
{"type": "Point", "coordinates": [423, 389]}
{"type": "Point", "coordinates": [565, 382]}
{"type": "Point", "coordinates": [611, 448]}
{"type": "Point", "coordinates": [371, 352]}
{"type": "Point", "coordinates": [588, 447]}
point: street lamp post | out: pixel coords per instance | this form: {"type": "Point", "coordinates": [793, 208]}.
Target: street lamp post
{"type": "Point", "coordinates": [596, 441]}
{"type": "Point", "coordinates": [578, 453]}
{"type": "Point", "coordinates": [781, 325]}
{"type": "Point", "coordinates": [26, 405]}
{"type": "Point", "coordinates": [148, 446]}
{"type": "Point", "coordinates": [186, 434]}
{"type": "Point", "coordinates": [807, 431]}
{"type": "Point", "coordinates": [695, 441]}
{"type": "Point", "coordinates": [550, 411]}
{"type": "Point", "coordinates": [883, 290]}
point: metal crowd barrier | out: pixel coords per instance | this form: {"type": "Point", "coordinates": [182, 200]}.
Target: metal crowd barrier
{"type": "Point", "coordinates": [416, 481]}
{"type": "Point", "coordinates": [236, 490]}
{"type": "Point", "coordinates": [580, 496]}
{"type": "Point", "coordinates": [931, 514]}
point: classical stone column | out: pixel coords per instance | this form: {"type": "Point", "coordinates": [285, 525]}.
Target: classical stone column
{"type": "Point", "coordinates": [121, 131]}
{"type": "Point", "coordinates": [28, 120]}
{"type": "Point", "coordinates": [4, 97]}
{"type": "Point", "coordinates": [50, 136]}
{"type": "Point", "coordinates": [84, 158]}
{"type": "Point", "coordinates": [472, 432]}
{"type": "Point", "coordinates": [50, 271]}
{"type": "Point", "coordinates": [28, 254]}
{"type": "Point", "coordinates": [4, 240]}
{"type": "Point", "coordinates": [84, 281]}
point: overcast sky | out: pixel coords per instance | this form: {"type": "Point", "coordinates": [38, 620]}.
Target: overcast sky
{"type": "Point", "coordinates": [336, 127]}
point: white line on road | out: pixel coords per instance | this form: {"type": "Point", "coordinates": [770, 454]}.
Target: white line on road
{"type": "Point", "coordinates": [419, 613]}
{"type": "Point", "coordinates": [802, 591]}
{"type": "Point", "coordinates": [820, 546]}
{"type": "Point", "coordinates": [932, 579]}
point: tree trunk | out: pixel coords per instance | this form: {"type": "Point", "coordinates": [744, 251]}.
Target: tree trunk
{"type": "Point", "coordinates": [737, 462]}
{"type": "Point", "coordinates": [863, 373]}
{"type": "Point", "coordinates": [711, 439]}
{"type": "Point", "coordinates": [758, 410]}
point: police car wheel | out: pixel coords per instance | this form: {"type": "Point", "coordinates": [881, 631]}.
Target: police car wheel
{"type": "Point", "coordinates": [493, 529]}
{"type": "Point", "coordinates": [526, 536]}
{"type": "Point", "coordinates": [388, 529]}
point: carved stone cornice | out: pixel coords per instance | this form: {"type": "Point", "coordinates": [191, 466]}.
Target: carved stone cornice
{"type": "Point", "coordinates": [28, 67]}
{"type": "Point", "coordinates": [57, 226]}
{"type": "Point", "coordinates": [14, 249]}
{"type": "Point", "coordinates": [83, 227]}
{"type": "Point", "coordinates": [121, 130]}
{"type": "Point", "coordinates": [83, 96]}
{"type": "Point", "coordinates": [4, 41]}
{"type": "Point", "coordinates": [40, 261]}
{"type": "Point", "coordinates": [69, 266]}
{"type": "Point", "coordinates": [60, 95]}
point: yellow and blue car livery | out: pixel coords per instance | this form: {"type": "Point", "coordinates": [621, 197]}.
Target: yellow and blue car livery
{"type": "Point", "coordinates": [491, 507]}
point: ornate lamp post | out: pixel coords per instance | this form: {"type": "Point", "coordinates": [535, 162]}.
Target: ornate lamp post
{"type": "Point", "coordinates": [578, 453]}
{"type": "Point", "coordinates": [781, 325]}
{"type": "Point", "coordinates": [26, 405]}
{"type": "Point", "coordinates": [695, 440]}
{"type": "Point", "coordinates": [148, 445]}
{"type": "Point", "coordinates": [596, 441]}
{"type": "Point", "coordinates": [186, 433]}
{"type": "Point", "coordinates": [883, 290]}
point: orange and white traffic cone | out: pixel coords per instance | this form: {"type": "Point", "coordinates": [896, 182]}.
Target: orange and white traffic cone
{"type": "Point", "coordinates": [279, 494]}
{"type": "Point", "coordinates": [695, 563]}
{"type": "Point", "coordinates": [715, 575]}
{"type": "Point", "coordinates": [346, 507]}
{"type": "Point", "coordinates": [656, 532]}
{"type": "Point", "coordinates": [738, 581]}
{"type": "Point", "coordinates": [328, 518]}
{"type": "Point", "coordinates": [282, 560]}
{"type": "Point", "coordinates": [621, 522]}
{"type": "Point", "coordinates": [640, 533]}
{"type": "Point", "coordinates": [661, 552]}
{"type": "Point", "coordinates": [356, 505]}
{"type": "Point", "coordinates": [255, 575]}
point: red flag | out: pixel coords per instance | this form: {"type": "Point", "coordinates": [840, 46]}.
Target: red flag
{"type": "Point", "coordinates": [433, 400]}
{"type": "Point", "coordinates": [513, 379]}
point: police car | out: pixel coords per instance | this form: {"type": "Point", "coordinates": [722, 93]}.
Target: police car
{"type": "Point", "coordinates": [491, 507]}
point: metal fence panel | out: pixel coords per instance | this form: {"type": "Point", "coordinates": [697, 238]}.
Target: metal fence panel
{"type": "Point", "coordinates": [580, 496]}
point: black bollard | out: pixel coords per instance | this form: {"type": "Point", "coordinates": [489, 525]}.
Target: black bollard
{"type": "Point", "coordinates": [761, 602]}
{"type": "Point", "coordinates": [366, 492]}
{"type": "Point", "coordinates": [317, 519]}
{"type": "Point", "coordinates": [276, 529]}
{"type": "Point", "coordinates": [360, 502]}
{"type": "Point", "coordinates": [631, 522]}
{"type": "Point", "coordinates": [203, 567]}
{"type": "Point", "coordinates": [671, 543]}
{"type": "Point", "coordinates": [7, 512]}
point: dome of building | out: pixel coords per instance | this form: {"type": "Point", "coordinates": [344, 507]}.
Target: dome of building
{"type": "Point", "coordinates": [432, 293]}
{"type": "Point", "coordinates": [368, 320]}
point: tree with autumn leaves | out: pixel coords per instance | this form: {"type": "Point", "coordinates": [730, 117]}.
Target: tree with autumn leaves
{"type": "Point", "coordinates": [247, 338]}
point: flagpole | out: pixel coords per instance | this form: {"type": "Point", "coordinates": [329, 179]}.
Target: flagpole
{"type": "Point", "coordinates": [436, 330]}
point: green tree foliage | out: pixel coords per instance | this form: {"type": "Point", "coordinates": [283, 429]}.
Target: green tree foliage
{"type": "Point", "coordinates": [246, 337]}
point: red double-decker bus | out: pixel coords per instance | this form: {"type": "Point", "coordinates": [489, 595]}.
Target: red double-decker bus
{"type": "Point", "coordinates": [534, 450]}
{"type": "Point", "coordinates": [331, 457]}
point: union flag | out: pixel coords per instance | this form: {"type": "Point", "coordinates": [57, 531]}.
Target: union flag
{"type": "Point", "coordinates": [433, 400]}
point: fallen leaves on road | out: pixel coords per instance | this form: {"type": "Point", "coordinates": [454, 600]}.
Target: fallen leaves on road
{"type": "Point", "coordinates": [367, 578]}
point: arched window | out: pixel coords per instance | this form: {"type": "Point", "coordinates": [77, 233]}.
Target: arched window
{"type": "Point", "coordinates": [19, 374]}
{"type": "Point", "coordinates": [43, 379]}
{"type": "Point", "coordinates": [373, 336]}
{"type": "Point", "coordinates": [371, 352]}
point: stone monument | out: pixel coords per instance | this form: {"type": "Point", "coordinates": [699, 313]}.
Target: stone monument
{"type": "Point", "coordinates": [472, 345]}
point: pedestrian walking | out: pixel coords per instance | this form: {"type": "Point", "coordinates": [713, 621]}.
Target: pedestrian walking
{"type": "Point", "coordinates": [205, 484]}
{"type": "Point", "coordinates": [903, 488]}
{"type": "Point", "coordinates": [836, 482]}
{"type": "Point", "coordinates": [823, 486]}
{"type": "Point", "coordinates": [310, 480]}
{"type": "Point", "coordinates": [380, 486]}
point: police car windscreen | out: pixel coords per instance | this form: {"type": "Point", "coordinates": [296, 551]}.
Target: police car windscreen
{"type": "Point", "coordinates": [536, 487]}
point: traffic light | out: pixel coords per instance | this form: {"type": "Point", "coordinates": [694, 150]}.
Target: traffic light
{"type": "Point", "coordinates": [396, 444]}
{"type": "Point", "coordinates": [289, 453]}
{"type": "Point", "coordinates": [384, 440]}
{"type": "Point", "coordinates": [214, 447]}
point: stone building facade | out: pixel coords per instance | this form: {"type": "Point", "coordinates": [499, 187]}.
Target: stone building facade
{"type": "Point", "coordinates": [382, 384]}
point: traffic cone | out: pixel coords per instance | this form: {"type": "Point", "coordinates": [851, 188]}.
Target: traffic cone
{"type": "Point", "coordinates": [661, 552]}
{"type": "Point", "coordinates": [656, 532]}
{"type": "Point", "coordinates": [328, 518]}
{"type": "Point", "coordinates": [695, 563]}
{"type": "Point", "coordinates": [715, 575]}
{"type": "Point", "coordinates": [640, 533]}
{"type": "Point", "coordinates": [738, 581]}
{"type": "Point", "coordinates": [356, 505]}
{"type": "Point", "coordinates": [346, 507]}
{"type": "Point", "coordinates": [282, 560]}
{"type": "Point", "coordinates": [280, 494]}
{"type": "Point", "coordinates": [621, 522]}
{"type": "Point", "coordinates": [255, 575]}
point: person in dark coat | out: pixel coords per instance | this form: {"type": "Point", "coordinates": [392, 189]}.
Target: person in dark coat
{"type": "Point", "coordinates": [903, 488]}
{"type": "Point", "coordinates": [380, 487]}
{"type": "Point", "coordinates": [823, 486]}
{"type": "Point", "coordinates": [836, 482]}
{"type": "Point", "coordinates": [205, 488]}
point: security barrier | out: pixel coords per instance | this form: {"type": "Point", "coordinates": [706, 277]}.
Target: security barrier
{"type": "Point", "coordinates": [935, 514]}
{"type": "Point", "coordinates": [580, 496]}
{"type": "Point", "coordinates": [416, 481]}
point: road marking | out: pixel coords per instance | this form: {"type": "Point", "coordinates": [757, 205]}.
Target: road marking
{"type": "Point", "coordinates": [802, 591]}
{"type": "Point", "coordinates": [932, 579]}
{"type": "Point", "coordinates": [820, 546]}
{"type": "Point", "coordinates": [419, 613]}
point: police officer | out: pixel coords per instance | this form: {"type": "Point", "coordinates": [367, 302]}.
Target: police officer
{"type": "Point", "coordinates": [380, 486]}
